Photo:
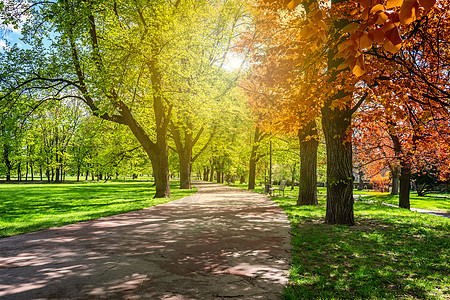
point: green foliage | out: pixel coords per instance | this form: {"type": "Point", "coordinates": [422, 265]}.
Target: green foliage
{"type": "Point", "coordinates": [31, 207]}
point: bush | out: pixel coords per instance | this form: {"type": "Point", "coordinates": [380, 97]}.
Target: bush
{"type": "Point", "coordinates": [380, 183]}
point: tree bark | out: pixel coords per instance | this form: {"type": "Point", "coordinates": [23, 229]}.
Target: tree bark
{"type": "Point", "coordinates": [254, 159]}
{"type": "Point", "coordinates": [405, 172]}
{"type": "Point", "coordinates": [308, 165]}
{"type": "Point", "coordinates": [7, 162]}
{"type": "Point", "coordinates": [19, 175]}
{"type": "Point", "coordinates": [185, 169]}
{"type": "Point", "coordinates": [336, 124]}
{"type": "Point", "coordinates": [405, 185]}
{"type": "Point", "coordinates": [361, 181]}
{"type": "Point", "coordinates": [395, 173]}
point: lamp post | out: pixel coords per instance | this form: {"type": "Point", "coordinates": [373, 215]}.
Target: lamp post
{"type": "Point", "coordinates": [270, 164]}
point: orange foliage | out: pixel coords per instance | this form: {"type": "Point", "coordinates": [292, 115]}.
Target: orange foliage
{"type": "Point", "coordinates": [380, 183]}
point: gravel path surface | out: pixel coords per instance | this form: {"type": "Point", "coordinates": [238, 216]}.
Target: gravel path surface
{"type": "Point", "coordinates": [218, 243]}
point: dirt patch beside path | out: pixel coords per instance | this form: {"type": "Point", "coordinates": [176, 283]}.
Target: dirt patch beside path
{"type": "Point", "coordinates": [218, 243]}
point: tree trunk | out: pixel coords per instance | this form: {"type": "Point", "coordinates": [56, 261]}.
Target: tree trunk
{"type": "Point", "coordinates": [57, 174]}
{"type": "Point", "coordinates": [252, 173]}
{"type": "Point", "coordinates": [242, 179]}
{"type": "Point", "coordinates": [7, 162]}
{"type": "Point", "coordinates": [253, 159]}
{"type": "Point", "coordinates": [294, 169]}
{"type": "Point", "coordinates": [78, 173]}
{"type": "Point", "coordinates": [211, 173]}
{"type": "Point", "coordinates": [218, 176]}
{"type": "Point", "coordinates": [161, 173]}
{"type": "Point", "coordinates": [361, 182]}
{"type": "Point", "coordinates": [205, 174]}
{"type": "Point", "coordinates": [336, 126]}
{"type": "Point", "coordinates": [32, 171]}
{"type": "Point", "coordinates": [405, 185]}
{"type": "Point", "coordinates": [395, 172]}
{"type": "Point", "coordinates": [19, 171]}
{"type": "Point", "coordinates": [185, 169]}
{"type": "Point", "coordinates": [308, 165]}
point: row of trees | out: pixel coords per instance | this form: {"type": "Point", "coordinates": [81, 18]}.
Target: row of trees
{"type": "Point", "coordinates": [149, 66]}
{"type": "Point", "coordinates": [374, 72]}
{"type": "Point", "coordinates": [62, 138]}
{"type": "Point", "coordinates": [160, 69]}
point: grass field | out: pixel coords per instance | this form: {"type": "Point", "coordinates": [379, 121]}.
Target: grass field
{"type": "Point", "coordinates": [435, 202]}
{"type": "Point", "coordinates": [431, 202]}
{"type": "Point", "coordinates": [390, 253]}
{"type": "Point", "coordinates": [31, 207]}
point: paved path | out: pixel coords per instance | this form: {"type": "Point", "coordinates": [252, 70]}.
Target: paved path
{"type": "Point", "coordinates": [218, 243]}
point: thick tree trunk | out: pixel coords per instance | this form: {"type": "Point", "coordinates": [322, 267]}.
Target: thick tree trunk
{"type": "Point", "coordinates": [395, 173]}
{"type": "Point", "coordinates": [336, 125]}
{"type": "Point", "coordinates": [185, 169]}
{"type": "Point", "coordinates": [161, 170]}
{"type": "Point", "coordinates": [405, 186]}
{"type": "Point", "coordinates": [308, 165]}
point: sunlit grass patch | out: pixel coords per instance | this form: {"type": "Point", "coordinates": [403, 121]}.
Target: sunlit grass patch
{"type": "Point", "coordinates": [429, 202]}
{"type": "Point", "coordinates": [31, 207]}
{"type": "Point", "coordinates": [389, 254]}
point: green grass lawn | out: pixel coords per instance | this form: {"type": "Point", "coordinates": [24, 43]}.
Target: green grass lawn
{"type": "Point", "coordinates": [390, 253]}
{"type": "Point", "coordinates": [31, 207]}
{"type": "Point", "coordinates": [431, 202]}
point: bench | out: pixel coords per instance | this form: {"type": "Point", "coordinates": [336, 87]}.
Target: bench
{"type": "Point", "coordinates": [280, 188]}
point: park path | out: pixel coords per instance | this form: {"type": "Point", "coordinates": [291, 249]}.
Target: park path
{"type": "Point", "coordinates": [218, 243]}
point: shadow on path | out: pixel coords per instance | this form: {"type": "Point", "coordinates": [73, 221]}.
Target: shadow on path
{"type": "Point", "coordinates": [218, 243]}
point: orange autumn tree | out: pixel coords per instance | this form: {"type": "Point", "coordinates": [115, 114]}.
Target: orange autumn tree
{"type": "Point", "coordinates": [279, 87]}
{"type": "Point", "coordinates": [412, 91]}
{"type": "Point", "coordinates": [340, 35]}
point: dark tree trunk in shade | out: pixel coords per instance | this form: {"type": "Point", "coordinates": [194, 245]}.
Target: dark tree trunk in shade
{"type": "Point", "coordinates": [308, 165]}
{"type": "Point", "coordinates": [405, 172]}
{"type": "Point", "coordinates": [405, 186]}
{"type": "Point", "coordinates": [336, 125]}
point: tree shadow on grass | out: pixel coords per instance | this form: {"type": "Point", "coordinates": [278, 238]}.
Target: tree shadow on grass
{"type": "Point", "coordinates": [389, 254]}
